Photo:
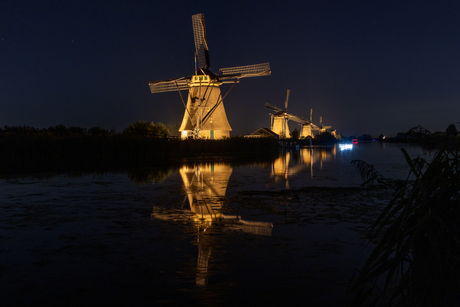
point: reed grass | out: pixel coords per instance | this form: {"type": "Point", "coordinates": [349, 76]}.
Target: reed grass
{"type": "Point", "coordinates": [416, 260]}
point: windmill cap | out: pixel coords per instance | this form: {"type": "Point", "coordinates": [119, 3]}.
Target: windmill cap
{"type": "Point", "coordinates": [207, 72]}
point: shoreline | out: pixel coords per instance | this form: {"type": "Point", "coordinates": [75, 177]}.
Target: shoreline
{"type": "Point", "coordinates": [119, 152]}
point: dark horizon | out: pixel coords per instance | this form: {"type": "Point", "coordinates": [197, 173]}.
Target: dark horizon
{"type": "Point", "coordinates": [366, 68]}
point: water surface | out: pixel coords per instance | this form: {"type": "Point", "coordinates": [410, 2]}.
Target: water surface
{"type": "Point", "coordinates": [206, 233]}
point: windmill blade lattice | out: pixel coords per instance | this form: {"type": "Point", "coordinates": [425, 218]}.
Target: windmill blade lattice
{"type": "Point", "coordinates": [254, 70]}
{"type": "Point", "coordinates": [163, 86]}
{"type": "Point", "coordinates": [201, 42]}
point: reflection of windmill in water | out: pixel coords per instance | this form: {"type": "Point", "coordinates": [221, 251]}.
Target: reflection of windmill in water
{"type": "Point", "coordinates": [205, 115]}
{"type": "Point", "coordinates": [287, 165]}
{"type": "Point", "coordinates": [290, 163]}
{"type": "Point", "coordinates": [279, 120]}
{"type": "Point", "coordinates": [205, 186]}
{"type": "Point", "coordinates": [280, 167]}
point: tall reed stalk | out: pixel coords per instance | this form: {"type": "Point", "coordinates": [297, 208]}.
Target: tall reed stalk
{"type": "Point", "coordinates": [416, 261]}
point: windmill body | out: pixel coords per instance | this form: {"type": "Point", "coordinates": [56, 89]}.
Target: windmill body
{"type": "Point", "coordinates": [205, 115]}
{"type": "Point", "coordinates": [308, 127]}
{"type": "Point", "coordinates": [280, 126]}
{"type": "Point", "coordinates": [306, 131]}
{"type": "Point", "coordinates": [279, 120]}
{"type": "Point", "coordinates": [203, 98]}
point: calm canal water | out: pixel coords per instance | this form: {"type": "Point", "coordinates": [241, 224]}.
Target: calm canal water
{"type": "Point", "coordinates": [208, 233]}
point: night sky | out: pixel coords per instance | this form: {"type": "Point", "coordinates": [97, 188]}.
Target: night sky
{"type": "Point", "coordinates": [369, 67]}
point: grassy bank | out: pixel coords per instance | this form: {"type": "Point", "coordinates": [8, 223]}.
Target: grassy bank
{"type": "Point", "coordinates": [45, 152]}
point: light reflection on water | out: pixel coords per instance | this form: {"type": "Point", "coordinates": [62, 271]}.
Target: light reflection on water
{"type": "Point", "coordinates": [207, 233]}
{"type": "Point", "coordinates": [205, 185]}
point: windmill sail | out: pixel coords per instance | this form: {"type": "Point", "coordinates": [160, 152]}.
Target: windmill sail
{"type": "Point", "coordinates": [254, 70]}
{"type": "Point", "coordinates": [201, 42]}
{"type": "Point", "coordinates": [162, 86]}
{"type": "Point", "coordinates": [287, 99]}
{"type": "Point", "coordinates": [322, 128]}
{"type": "Point", "coordinates": [298, 119]}
{"type": "Point", "coordinates": [274, 108]}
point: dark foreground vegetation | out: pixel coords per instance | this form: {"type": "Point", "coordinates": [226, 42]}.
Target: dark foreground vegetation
{"type": "Point", "coordinates": [416, 261]}
{"type": "Point", "coordinates": [75, 148]}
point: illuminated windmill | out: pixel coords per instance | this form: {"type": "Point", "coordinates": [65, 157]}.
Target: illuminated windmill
{"type": "Point", "coordinates": [322, 128]}
{"type": "Point", "coordinates": [279, 120]}
{"type": "Point", "coordinates": [307, 127]}
{"type": "Point", "coordinates": [205, 115]}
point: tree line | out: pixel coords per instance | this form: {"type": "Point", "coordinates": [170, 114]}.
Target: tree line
{"type": "Point", "coordinates": [430, 141]}
{"type": "Point", "coordinates": [141, 144]}
{"type": "Point", "coordinates": [138, 128]}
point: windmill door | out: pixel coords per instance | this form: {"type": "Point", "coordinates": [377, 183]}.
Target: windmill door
{"type": "Point", "coordinates": [211, 134]}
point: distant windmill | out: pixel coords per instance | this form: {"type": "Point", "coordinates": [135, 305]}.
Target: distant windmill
{"type": "Point", "coordinates": [307, 127]}
{"type": "Point", "coordinates": [205, 115]}
{"type": "Point", "coordinates": [322, 128]}
{"type": "Point", "coordinates": [279, 120]}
